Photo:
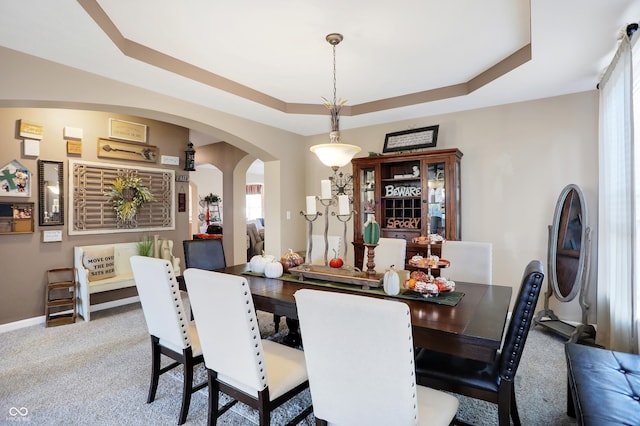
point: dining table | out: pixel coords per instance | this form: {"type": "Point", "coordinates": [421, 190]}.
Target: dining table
{"type": "Point", "coordinates": [471, 329]}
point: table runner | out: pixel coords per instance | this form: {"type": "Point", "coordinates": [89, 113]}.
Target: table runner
{"type": "Point", "coordinates": [449, 299]}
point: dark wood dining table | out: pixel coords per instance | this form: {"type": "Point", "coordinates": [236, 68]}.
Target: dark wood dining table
{"type": "Point", "coordinates": [471, 329]}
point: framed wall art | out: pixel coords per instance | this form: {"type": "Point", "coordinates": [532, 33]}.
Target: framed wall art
{"type": "Point", "coordinates": [119, 150]}
{"type": "Point", "coordinates": [407, 140]}
{"type": "Point", "coordinates": [128, 131]}
{"type": "Point", "coordinates": [92, 208]}
{"type": "Point", "coordinates": [15, 180]}
{"type": "Point", "coordinates": [30, 130]}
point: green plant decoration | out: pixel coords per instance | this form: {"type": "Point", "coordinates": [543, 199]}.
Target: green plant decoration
{"type": "Point", "coordinates": [212, 198]}
{"type": "Point", "coordinates": [127, 195]}
{"type": "Point", "coordinates": [145, 246]}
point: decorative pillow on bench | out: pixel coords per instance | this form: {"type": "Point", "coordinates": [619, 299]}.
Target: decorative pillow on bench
{"type": "Point", "coordinates": [99, 263]}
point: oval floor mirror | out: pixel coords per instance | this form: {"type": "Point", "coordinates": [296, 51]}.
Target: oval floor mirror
{"type": "Point", "coordinates": [569, 253]}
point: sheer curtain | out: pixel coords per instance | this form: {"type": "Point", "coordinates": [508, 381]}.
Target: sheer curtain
{"type": "Point", "coordinates": [617, 239]}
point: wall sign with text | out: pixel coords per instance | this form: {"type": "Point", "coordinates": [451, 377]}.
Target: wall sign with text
{"type": "Point", "coordinates": [407, 140]}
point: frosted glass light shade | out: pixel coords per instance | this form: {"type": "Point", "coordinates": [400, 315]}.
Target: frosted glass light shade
{"type": "Point", "coordinates": [335, 154]}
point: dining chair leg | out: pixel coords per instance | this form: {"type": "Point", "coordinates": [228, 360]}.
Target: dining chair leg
{"type": "Point", "coordinates": [276, 322]}
{"type": "Point", "coordinates": [263, 408]}
{"type": "Point", "coordinates": [187, 385]}
{"type": "Point", "coordinates": [214, 391]}
{"type": "Point", "coordinates": [514, 406]}
{"type": "Point", "coordinates": [155, 368]}
{"type": "Point", "coordinates": [504, 405]}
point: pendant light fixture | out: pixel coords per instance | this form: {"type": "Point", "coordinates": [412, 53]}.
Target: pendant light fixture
{"type": "Point", "coordinates": [335, 154]}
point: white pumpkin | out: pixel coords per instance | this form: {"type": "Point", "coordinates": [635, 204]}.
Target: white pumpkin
{"type": "Point", "coordinates": [273, 269]}
{"type": "Point", "coordinates": [259, 261]}
{"type": "Point", "coordinates": [391, 282]}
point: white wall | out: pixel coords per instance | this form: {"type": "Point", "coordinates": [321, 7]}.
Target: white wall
{"type": "Point", "coordinates": [208, 180]}
{"type": "Point", "coordinates": [517, 159]}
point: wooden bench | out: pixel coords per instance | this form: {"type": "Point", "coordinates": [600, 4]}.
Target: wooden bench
{"type": "Point", "coordinates": [103, 268]}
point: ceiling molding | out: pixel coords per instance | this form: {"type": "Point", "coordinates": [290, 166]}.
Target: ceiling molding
{"type": "Point", "coordinates": [169, 63]}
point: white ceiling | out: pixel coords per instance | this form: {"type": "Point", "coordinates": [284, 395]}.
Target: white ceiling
{"type": "Point", "coordinates": [278, 49]}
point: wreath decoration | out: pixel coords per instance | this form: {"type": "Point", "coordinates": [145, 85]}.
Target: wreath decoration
{"type": "Point", "coordinates": [128, 194]}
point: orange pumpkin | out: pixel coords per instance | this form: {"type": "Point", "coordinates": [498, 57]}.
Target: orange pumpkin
{"type": "Point", "coordinates": [291, 260]}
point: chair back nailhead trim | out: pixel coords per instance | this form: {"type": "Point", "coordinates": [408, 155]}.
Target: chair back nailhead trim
{"type": "Point", "coordinates": [521, 320]}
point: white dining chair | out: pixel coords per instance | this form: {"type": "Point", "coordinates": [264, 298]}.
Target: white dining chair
{"type": "Point", "coordinates": [390, 251]}
{"type": "Point", "coordinates": [317, 248]}
{"type": "Point", "coordinates": [172, 334]}
{"type": "Point", "coordinates": [470, 261]}
{"type": "Point", "coordinates": [260, 373]}
{"type": "Point", "coordinates": [360, 362]}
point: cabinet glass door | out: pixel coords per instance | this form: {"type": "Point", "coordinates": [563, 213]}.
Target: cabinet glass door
{"type": "Point", "coordinates": [401, 199]}
{"type": "Point", "coordinates": [367, 194]}
{"type": "Point", "coordinates": [436, 185]}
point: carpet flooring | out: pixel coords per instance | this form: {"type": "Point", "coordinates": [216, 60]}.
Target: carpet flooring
{"type": "Point", "coordinates": [97, 373]}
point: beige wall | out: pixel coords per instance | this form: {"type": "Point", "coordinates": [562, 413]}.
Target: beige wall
{"type": "Point", "coordinates": [24, 259]}
{"type": "Point", "coordinates": [517, 158]}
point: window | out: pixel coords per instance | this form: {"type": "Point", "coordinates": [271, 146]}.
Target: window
{"type": "Point", "coordinates": [254, 202]}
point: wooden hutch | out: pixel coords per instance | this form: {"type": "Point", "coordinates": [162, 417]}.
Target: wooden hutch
{"type": "Point", "coordinates": [405, 192]}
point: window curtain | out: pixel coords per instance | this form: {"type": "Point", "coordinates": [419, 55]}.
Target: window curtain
{"type": "Point", "coordinates": [254, 189]}
{"type": "Point", "coordinates": [617, 242]}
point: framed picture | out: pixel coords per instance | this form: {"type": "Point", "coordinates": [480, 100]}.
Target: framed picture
{"type": "Point", "coordinates": [406, 140]}
{"type": "Point", "coordinates": [30, 130]}
{"type": "Point", "coordinates": [128, 131]}
{"type": "Point", "coordinates": [118, 150]}
{"type": "Point", "coordinates": [15, 180]}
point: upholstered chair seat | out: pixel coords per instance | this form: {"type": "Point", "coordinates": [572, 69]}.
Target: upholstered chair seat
{"type": "Point", "coordinates": [389, 252]}
{"type": "Point", "coordinates": [471, 261]}
{"type": "Point", "coordinates": [260, 373]}
{"type": "Point", "coordinates": [493, 381]}
{"type": "Point", "coordinates": [172, 334]}
{"type": "Point", "coordinates": [360, 361]}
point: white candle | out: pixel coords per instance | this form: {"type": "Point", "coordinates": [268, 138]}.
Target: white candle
{"type": "Point", "coordinates": [343, 205]}
{"type": "Point", "coordinates": [311, 205]}
{"type": "Point", "coordinates": [325, 189]}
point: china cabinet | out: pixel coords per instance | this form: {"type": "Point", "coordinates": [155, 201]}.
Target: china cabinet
{"type": "Point", "coordinates": [408, 194]}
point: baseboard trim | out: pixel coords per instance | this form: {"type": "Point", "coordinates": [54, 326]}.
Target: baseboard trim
{"type": "Point", "coordinates": [28, 322]}
{"type": "Point", "coordinates": [16, 325]}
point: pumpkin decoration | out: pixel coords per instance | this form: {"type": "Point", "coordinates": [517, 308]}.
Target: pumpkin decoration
{"type": "Point", "coordinates": [259, 261]}
{"type": "Point", "coordinates": [371, 231]}
{"type": "Point", "coordinates": [291, 260]}
{"type": "Point", "coordinates": [391, 282]}
{"type": "Point", "coordinates": [273, 269]}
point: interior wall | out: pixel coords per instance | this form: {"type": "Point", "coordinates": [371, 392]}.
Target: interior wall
{"type": "Point", "coordinates": [24, 259]}
{"type": "Point", "coordinates": [208, 180]}
{"type": "Point", "coordinates": [34, 82]}
{"type": "Point", "coordinates": [517, 159]}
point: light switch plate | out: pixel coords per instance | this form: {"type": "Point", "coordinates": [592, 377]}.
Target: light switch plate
{"type": "Point", "coordinates": [170, 160]}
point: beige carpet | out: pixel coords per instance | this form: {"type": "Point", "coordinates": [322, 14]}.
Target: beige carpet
{"type": "Point", "coordinates": [97, 373]}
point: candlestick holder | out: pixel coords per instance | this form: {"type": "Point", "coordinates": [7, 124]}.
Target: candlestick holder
{"type": "Point", "coordinates": [326, 203]}
{"type": "Point", "coordinates": [371, 266]}
{"type": "Point", "coordinates": [344, 218]}
{"type": "Point", "coordinates": [310, 218]}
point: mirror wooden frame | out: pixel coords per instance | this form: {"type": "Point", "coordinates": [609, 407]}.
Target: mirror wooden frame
{"type": "Point", "coordinates": [567, 283]}
{"type": "Point", "coordinates": [48, 168]}
{"type": "Point", "coordinates": [569, 254]}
